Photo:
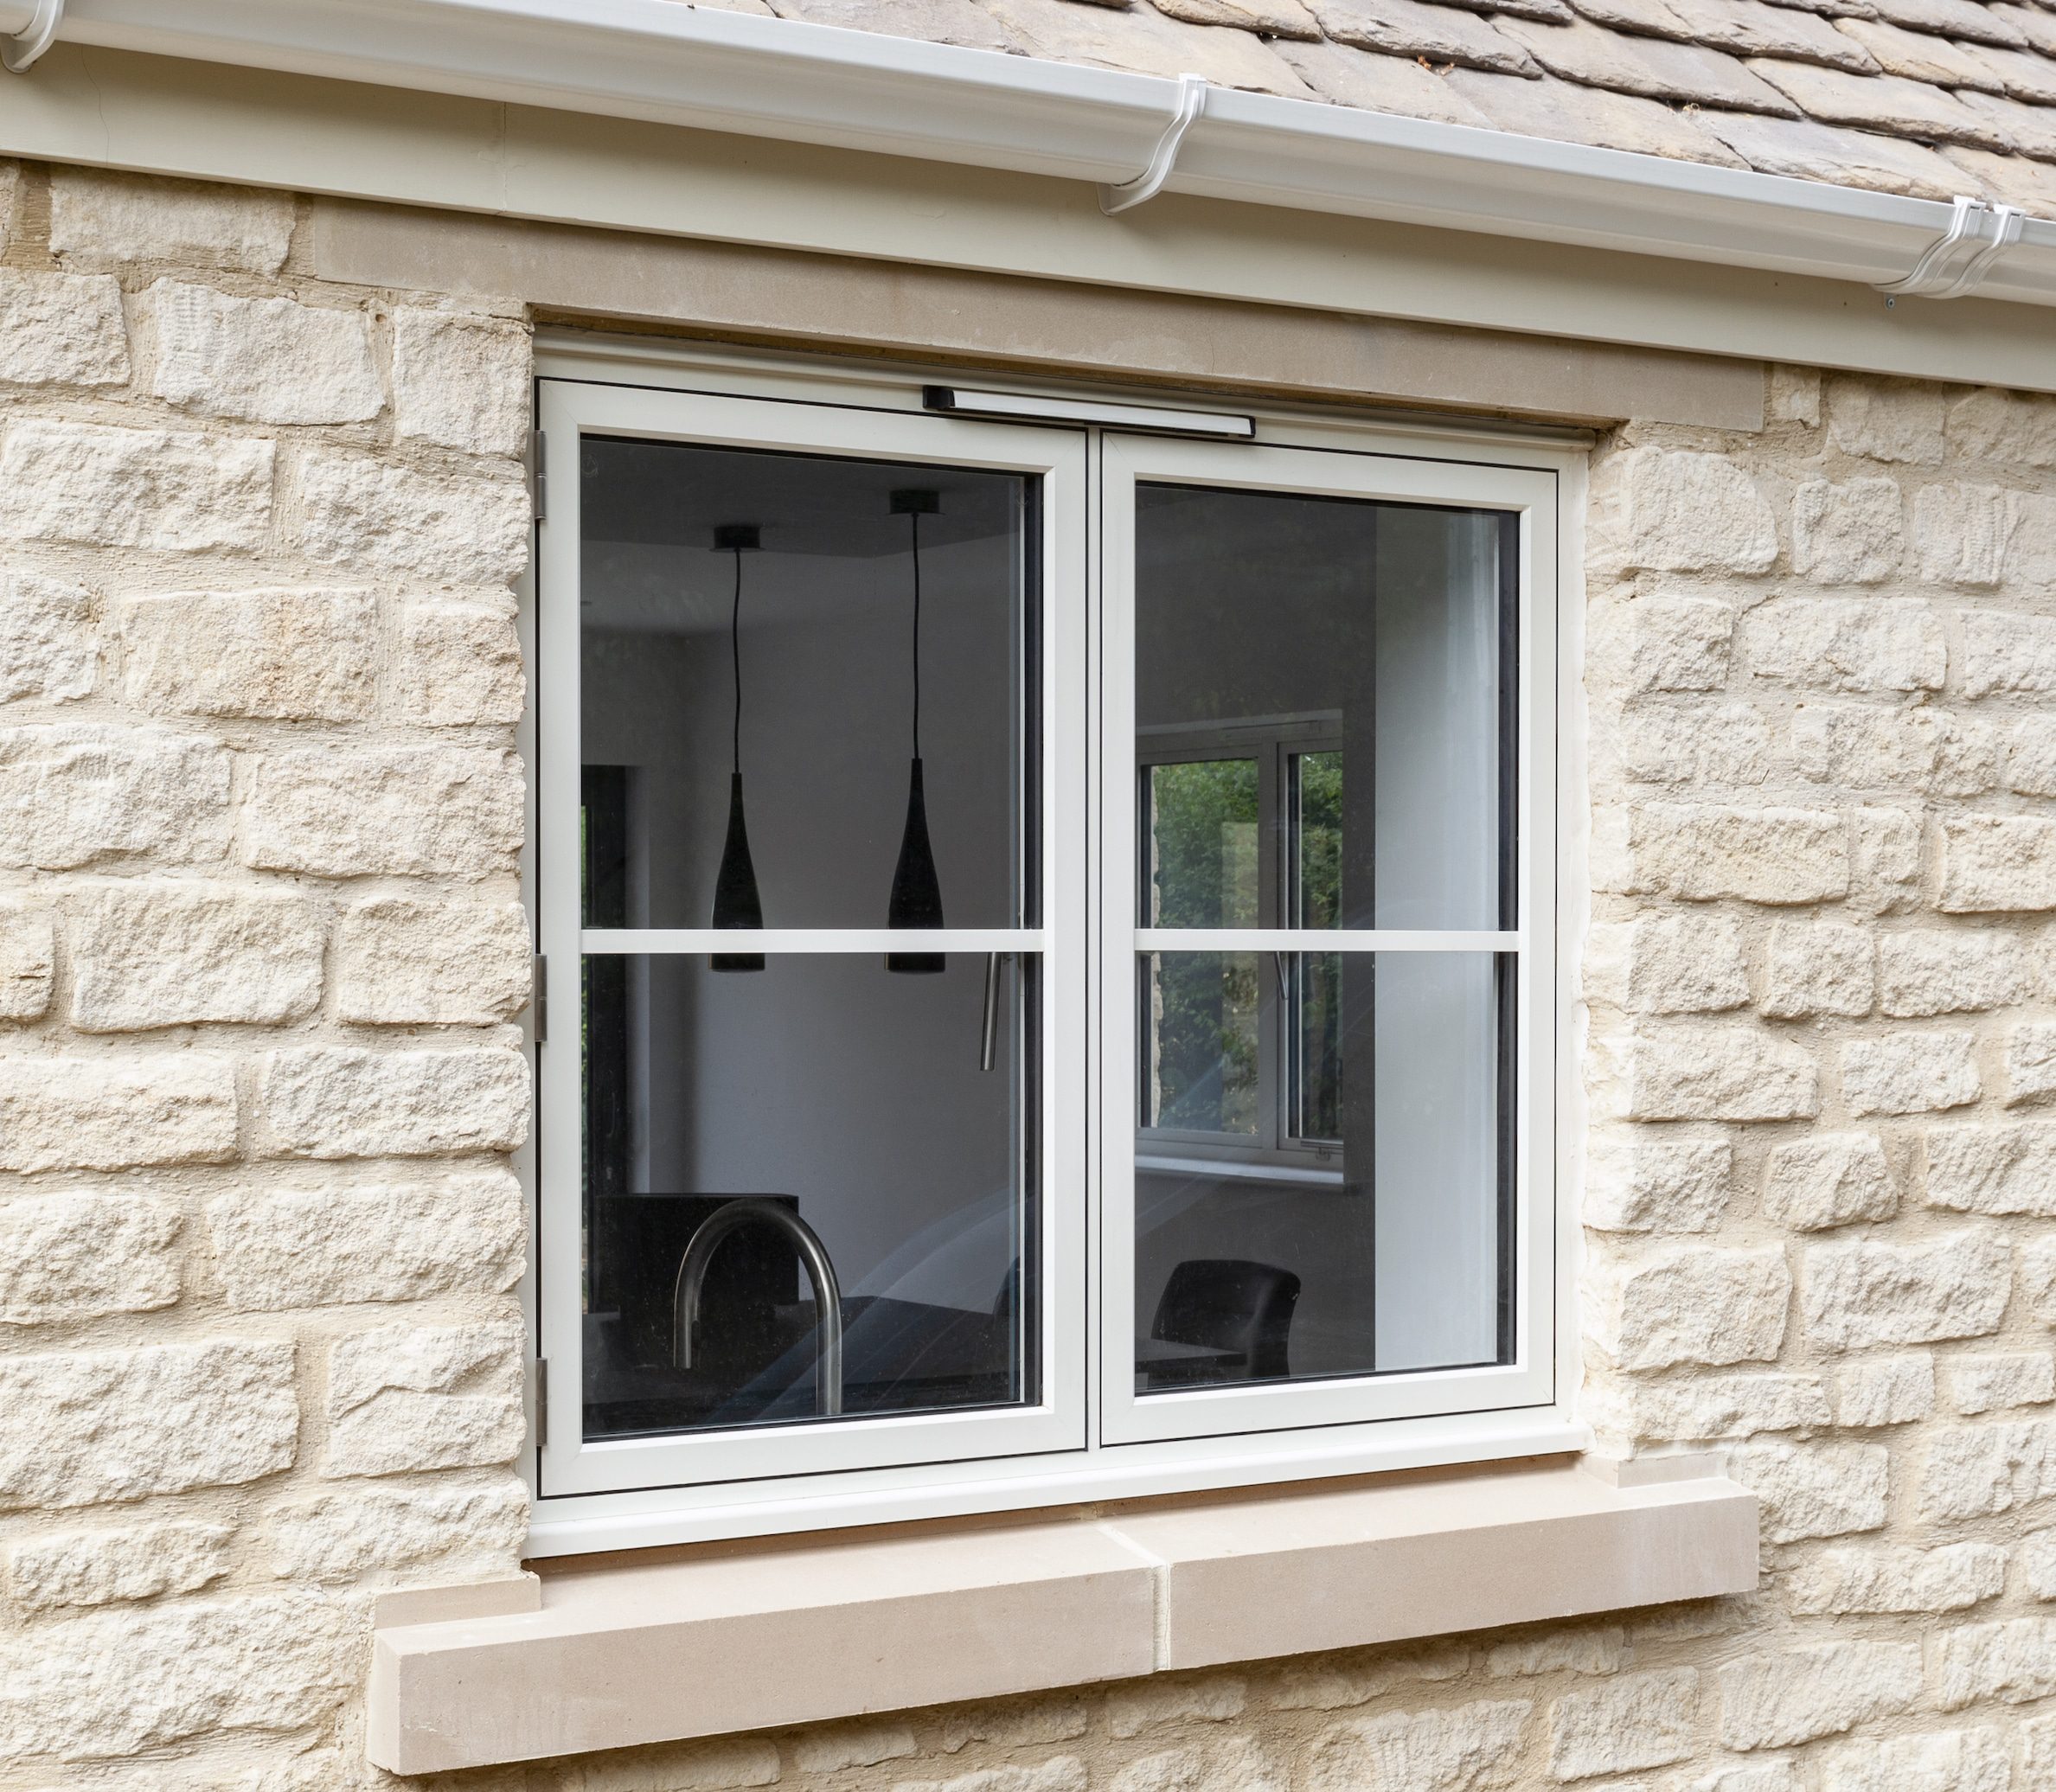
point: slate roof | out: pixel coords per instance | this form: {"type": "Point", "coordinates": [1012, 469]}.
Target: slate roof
{"type": "Point", "coordinates": [1932, 98]}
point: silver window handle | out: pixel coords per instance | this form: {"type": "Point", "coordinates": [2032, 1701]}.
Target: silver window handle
{"type": "Point", "coordinates": [989, 1030]}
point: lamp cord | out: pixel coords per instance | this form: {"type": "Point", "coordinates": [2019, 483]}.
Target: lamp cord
{"type": "Point", "coordinates": [735, 656]}
{"type": "Point", "coordinates": [914, 518]}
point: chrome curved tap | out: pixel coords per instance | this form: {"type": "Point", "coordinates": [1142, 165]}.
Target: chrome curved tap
{"type": "Point", "coordinates": [821, 1275]}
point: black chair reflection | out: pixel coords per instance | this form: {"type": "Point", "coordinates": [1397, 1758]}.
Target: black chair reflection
{"type": "Point", "coordinates": [1224, 1319]}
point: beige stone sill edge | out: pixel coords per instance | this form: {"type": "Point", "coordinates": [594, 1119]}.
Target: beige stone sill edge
{"type": "Point", "coordinates": [655, 1652]}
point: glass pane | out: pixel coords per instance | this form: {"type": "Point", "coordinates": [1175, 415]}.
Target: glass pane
{"type": "Point", "coordinates": [1337, 631]}
{"type": "Point", "coordinates": [750, 1137]}
{"type": "Point", "coordinates": [1202, 843]}
{"type": "Point", "coordinates": [1385, 1249]}
{"type": "Point", "coordinates": [818, 669]}
{"type": "Point", "coordinates": [1200, 1046]}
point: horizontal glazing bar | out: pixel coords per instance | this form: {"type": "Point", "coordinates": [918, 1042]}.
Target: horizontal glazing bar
{"type": "Point", "coordinates": [1320, 939]}
{"type": "Point", "coordinates": [610, 941]}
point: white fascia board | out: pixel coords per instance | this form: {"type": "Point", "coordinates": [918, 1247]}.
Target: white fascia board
{"type": "Point", "coordinates": [738, 72]}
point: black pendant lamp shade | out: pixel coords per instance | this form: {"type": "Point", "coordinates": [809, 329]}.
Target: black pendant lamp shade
{"type": "Point", "coordinates": [735, 900]}
{"type": "Point", "coordinates": [917, 892]}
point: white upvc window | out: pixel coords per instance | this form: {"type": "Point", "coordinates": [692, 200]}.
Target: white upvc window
{"type": "Point", "coordinates": [1051, 931]}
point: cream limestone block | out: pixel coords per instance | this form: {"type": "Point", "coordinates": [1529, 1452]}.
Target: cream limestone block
{"type": "Point", "coordinates": [1920, 749]}
{"type": "Point", "coordinates": [1814, 1490]}
{"type": "Point", "coordinates": [1879, 419]}
{"type": "Point", "coordinates": [98, 1113]}
{"type": "Point", "coordinates": [1688, 1304]}
{"type": "Point", "coordinates": [1776, 856]}
{"type": "Point", "coordinates": [1772, 1700]}
{"type": "Point", "coordinates": [1896, 1391]}
{"type": "Point", "coordinates": [1829, 1179]}
{"type": "Point", "coordinates": [1470, 1746]}
{"type": "Point", "coordinates": [169, 954]}
{"type": "Point", "coordinates": [267, 360]}
{"type": "Point", "coordinates": [731, 1762]}
{"type": "Point", "coordinates": [1724, 1072]}
{"type": "Point", "coordinates": [459, 665]}
{"type": "Point", "coordinates": [404, 962]}
{"type": "Point", "coordinates": [1993, 1170]}
{"type": "Point", "coordinates": [61, 329]}
{"type": "Point", "coordinates": [2038, 1560]}
{"type": "Point", "coordinates": [28, 955]}
{"type": "Point", "coordinates": [1860, 645]}
{"type": "Point", "coordinates": [2005, 652]}
{"type": "Point", "coordinates": [331, 1101]}
{"type": "Point", "coordinates": [2038, 1752]}
{"type": "Point", "coordinates": [1067, 1773]}
{"type": "Point", "coordinates": [278, 1249]}
{"type": "Point", "coordinates": [1994, 864]}
{"type": "Point", "coordinates": [83, 1568]}
{"type": "Point", "coordinates": [119, 1684]}
{"type": "Point", "coordinates": [840, 1746]}
{"type": "Point", "coordinates": [464, 1529]}
{"type": "Point", "coordinates": [1963, 532]}
{"type": "Point", "coordinates": [1910, 1073]}
{"type": "Point", "coordinates": [286, 654]}
{"type": "Point", "coordinates": [1868, 1292]}
{"type": "Point", "coordinates": [1843, 1581]}
{"type": "Point", "coordinates": [1993, 426]}
{"type": "Point", "coordinates": [1696, 513]}
{"type": "Point", "coordinates": [1849, 534]}
{"type": "Point", "coordinates": [1666, 965]}
{"type": "Point", "coordinates": [1772, 1776]}
{"type": "Point", "coordinates": [2031, 757]}
{"type": "Point", "coordinates": [115, 218]}
{"type": "Point", "coordinates": [2030, 1062]}
{"type": "Point", "coordinates": [78, 1256]}
{"type": "Point", "coordinates": [2011, 1662]}
{"type": "Point", "coordinates": [2038, 1278]}
{"type": "Point", "coordinates": [1818, 967]}
{"type": "Point", "coordinates": [1638, 1720]}
{"type": "Point", "coordinates": [72, 794]}
{"type": "Point", "coordinates": [1019, 1724]}
{"type": "Point", "coordinates": [1885, 859]}
{"type": "Point", "coordinates": [1225, 1761]}
{"type": "Point", "coordinates": [1732, 745]}
{"type": "Point", "coordinates": [430, 811]}
{"type": "Point", "coordinates": [1636, 1184]}
{"type": "Point", "coordinates": [1701, 1408]}
{"type": "Point", "coordinates": [1924, 972]}
{"type": "Point", "coordinates": [393, 521]}
{"type": "Point", "coordinates": [1150, 1704]}
{"type": "Point", "coordinates": [1601, 1651]}
{"type": "Point", "coordinates": [1665, 643]}
{"type": "Point", "coordinates": [1978, 1471]}
{"type": "Point", "coordinates": [1986, 1384]}
{"type": "Point", "coordinates": [461, 381]}
{"type": "Point", "coordinates": [1950, 1761]}
{"type": "Point", "coordinates": [404, 1398]}
{"type": "Point", "coordinates": [123, 1425]}
{"type": "Point", "coordinates": [168, 490]}
{"type": "Point", "coordinates": [48, 648]}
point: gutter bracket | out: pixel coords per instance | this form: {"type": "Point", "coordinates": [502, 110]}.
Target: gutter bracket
{"type": "Point", "coordinates": [1192, 101]}
{"type": "Point", "coordinates": [19, 54]}
{"type": "Point", "coordinates": [1938, 274]}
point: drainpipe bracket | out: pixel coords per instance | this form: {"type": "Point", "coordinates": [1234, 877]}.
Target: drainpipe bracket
{"type": "Point", "coordinates": [1192, 101]}
{"type": "Point", "coordinates": [1957, 262]}
{"type": "Point", "coordinates": [20, 54]}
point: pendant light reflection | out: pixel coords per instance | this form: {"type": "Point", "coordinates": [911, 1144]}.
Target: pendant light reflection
{"type": "Point", "coordinates": [916, 894]}
{"type": "Point", "coordinates": [735, 900]}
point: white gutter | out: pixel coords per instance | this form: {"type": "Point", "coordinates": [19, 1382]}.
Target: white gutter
{"type": "Point", "coordinates": [673, 63]}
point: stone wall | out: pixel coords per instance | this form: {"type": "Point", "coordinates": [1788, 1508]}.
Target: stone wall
{"type": "Point", "coordinates": [261, 958]}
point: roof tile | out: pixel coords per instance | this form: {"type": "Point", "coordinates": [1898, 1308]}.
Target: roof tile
{"type": "Point", "coordinates": [1551, 108]}
{"type": "Point", "coordinates": [1268, 18]}
{"type": "Point", "coordinates": [2037, 30]}
{"type": "Point", "coordinates": [1889, 103]}
{"type": "Point", "coordinates": [1749, 28]}
{"type": "Point", "coordinates": [2033, 128]}
{"type": "Point", "coordinates": [1596, 58]}
{"type": "Point", "coordinates": [2024, 75]}
{"type": "Point", "coordinates": [2031, 185]}
{"type": "Point", "coordinates": [1384, 84]}
{"type": "Point", "coordinates": [1952, 19]}
{"type": "Point", "coordinates": [1919, 57]}
{"type": "Point", "coordinates": [1805, 150]}
{"type": "Point", "coordinates": [957, 21]}
{"type": "Point", "coordinates": [1142, 41]}
{"type": "Point", "coordinates": [1406, 27]}
{"type": "Point", "coordinates": [1553, 12]}
{"type": "Point", "coordinates": [1830, 9]}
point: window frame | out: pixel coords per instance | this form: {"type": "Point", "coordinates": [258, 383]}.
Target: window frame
{"type": "Point", "coordinates": [1094, 1449]}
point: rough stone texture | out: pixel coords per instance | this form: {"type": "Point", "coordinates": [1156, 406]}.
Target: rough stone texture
{"type": "Point", "coordinates": [1849, 534]}
{"type": "Point", "coordinates": [47, 645]}
{"type": "Point", "coordinates": [1953, 1577]}
{"type": "Point", "coordinates": [1774, 856]}
{"type": "Point", "coordinates": [148, 953]}
{"type": "Point", "coordinates": [167, 490]}
{"type": "Point", "coordinates": [82, 1427]}
{"type": "Point", "coordinates": [78, 1256]}
{"type": "Point", "coordinates": [1844, 645]}
{"type": "Point", "coordinates": [1922, 973]}
{"type": "Point", "coordinates": [268, 359]}
{"type": "Point", "coordinates": [94, 1114]}
{"type": "Point", "coordinates": [1993, 864]}
{"type": "Point", "coordinates": [1818, 968]}
{"type": "Point", "coordinates": [118, 219]}
{"type": "Point", "coordinates": [403, 961]}
{"type": "Point", "coordinates": [461, 381]}
{"type": "Point", "coordinates": [1710, 1073]}
{"type": "Point", "coordinates": [1984, 1384]}
{"type": "Point", "coordinates": [1918, 749]}
{"type": "Point", "coordinates": [1641, 1185]}
{"type": "Point", "coordinates": [1993, 1170]}
{"type": "Point", "coordinates": [403, 812]}
{"type": "Point", "coordinates": [450, 528]}
{"type": "Point", "coordinates": [373, 1534]}
{"type": "Point", "coordinates": [2030, 1063]}
{"type": "Point", "coordinates": [28, 955]}
{"type": "Point", "coordinates": [406, 1398]}
{"type": "Point", "coordinates": [459, 666]}
{"type": "Point", "coordinates": [1894, 1392]}
{"type": "Point", "coordinates": [1975, 1471]}
{"type": "Point", "coordinates": [1685, 964]}
{"type": "Point", "coordinates": [1711, 1407]}
{"type": "Point", "coordinates": [2012, 1660]}
{"type": "Point", "coordinates": [1688, 1305]}
{"type": "Point", "coordinates": [84, 1568]}
{"type": "Point", "coordinates": [334, 1101]}
{"type": "Point", "coordinates": [1774, 1700]}
{"type": "Point", "coordinates": [1471, 1746]}
{"type": "Point", "coordinates": [297, 656]}
{"type": "Point", "coordinates": [1696, 513]}
{"type": "Point", "coordinates": [1868, 1292]}
{"type": "Point", "coordinates": [1820, 1490]}
{"type": "Point", "coordinates": [1910, 1073]}
{"type": "Point", "coordinates": [72, 794]}
{"type": "Point", "coordinates": [1829, 1179]}
{"type": "Point", "coordinates": [1639, 1720]}
{"type": "Point", "coordinates": [61, 329]}
{"type": "Point", "coordinates": [1945, 1761]}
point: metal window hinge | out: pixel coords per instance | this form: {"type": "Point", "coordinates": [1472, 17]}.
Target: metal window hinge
{"type": "Point", "coordinates": [539, 484]}
{"type": "Point", "coordinates": [541, 998]}
{"type": "Point", "coordinates": [539, 1400]}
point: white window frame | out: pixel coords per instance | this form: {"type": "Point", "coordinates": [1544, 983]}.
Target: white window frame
{"type": "Point", "coordinates": [1091, 1436]}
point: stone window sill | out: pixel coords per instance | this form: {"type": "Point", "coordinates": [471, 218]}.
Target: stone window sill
{"type": "Point", "coordinates": [731, 1638]}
